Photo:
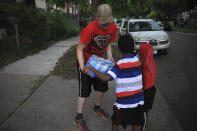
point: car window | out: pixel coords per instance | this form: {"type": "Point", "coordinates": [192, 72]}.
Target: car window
{"type": "Point", "coordinates": [155, 26]}
{"type": "Point", "coordinates": [118, 23]}
{"type": "Point", "coordinates": [143, 26]}
{"type": "Point", "coordinates": [125, 25]}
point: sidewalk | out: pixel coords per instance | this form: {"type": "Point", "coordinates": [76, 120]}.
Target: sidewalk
{"type": "Point", "coordinates": [53, 106]}
{"type": "Point", "coordinates": [33, 100]}
{"type": "Point", "coordinates": [19, 80]}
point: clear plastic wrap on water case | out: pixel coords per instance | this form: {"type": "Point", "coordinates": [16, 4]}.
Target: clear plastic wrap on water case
{"type": "Point", "coordinates": [100, 64]}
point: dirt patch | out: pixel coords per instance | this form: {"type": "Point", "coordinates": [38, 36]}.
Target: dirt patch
{"type": "Point", "coordinates": [66, 65]}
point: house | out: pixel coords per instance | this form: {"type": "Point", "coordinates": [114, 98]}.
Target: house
{"type": "Point", "coordinates": [70, 8]}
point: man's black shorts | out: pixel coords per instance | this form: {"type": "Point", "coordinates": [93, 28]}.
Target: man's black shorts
{"type": "Point", "coordinates": [86, 82]}
{"type": "Point", "coordinates": [128, 116]}
{"type": "Point", "coordinates": [149, 95]}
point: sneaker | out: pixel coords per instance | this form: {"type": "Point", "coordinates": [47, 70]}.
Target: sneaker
{"type": "Point", "coordinates": [101, 113]}
{"type": "Point", "coordinates": [81, 125]}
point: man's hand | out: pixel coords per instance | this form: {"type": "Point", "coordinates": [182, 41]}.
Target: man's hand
{"type": "Point", "coordinates": [83, 69]}
{"type": "Point", "coordinates": [100, 75]}
{"type": "Point", "coordinates": [112, 59]}
{"type": "Point", "coordinates": [87, 69]}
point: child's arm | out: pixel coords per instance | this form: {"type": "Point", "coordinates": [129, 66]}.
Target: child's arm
{"type": "Point", "coordinates": [100, 75]}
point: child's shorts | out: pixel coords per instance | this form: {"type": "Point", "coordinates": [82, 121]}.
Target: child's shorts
{"type": "Point", "coordinates": [128, 116]}
{"type": "Point", "coordinates": [86, 83]}
{"type": "Point", "coordinates": [149, 96]}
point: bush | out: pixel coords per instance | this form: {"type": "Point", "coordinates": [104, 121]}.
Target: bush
{"type": "Point", "coordinates": [73, 31]}
{"type": "Point", "coordinates": [60, 24]}
{"type": "Point", "coordinates": [34, 25]}
{"type": "Point", "coordinates": [36, 29]}
{"type": "Point", "coordinates": [37, 26]}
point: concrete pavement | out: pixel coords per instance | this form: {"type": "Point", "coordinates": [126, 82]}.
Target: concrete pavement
{"type": "Point", "coordinates": [41, 63]}
{"type": "Point", "coordinates": [33, 100]}
{"type": "Point", "coordinates": [19, 80]}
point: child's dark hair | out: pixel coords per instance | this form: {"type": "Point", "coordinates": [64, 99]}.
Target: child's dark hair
{"type": "Point", "coordinates": [126, 44]}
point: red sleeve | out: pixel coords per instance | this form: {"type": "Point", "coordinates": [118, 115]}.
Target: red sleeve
{"type": "Point", "coordinates": [86, 35]}
{"type": "Point", "coordinates": [114, 34]}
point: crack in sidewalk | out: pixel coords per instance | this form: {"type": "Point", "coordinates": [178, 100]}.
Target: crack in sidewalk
{"type": "Point", "coordinates": [33, 90]}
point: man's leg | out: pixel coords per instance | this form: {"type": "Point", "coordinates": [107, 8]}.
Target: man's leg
{"type": "Point", "coordinates": [99, 97]}
{"type": "Point", "coordinates": [80, 104]}
{"type": "Point", "coordinates": [79, 121]}
{"type": "Point", "coordinates": [97, 109]}
{"type": "Point", "coordinates": [85, 84]}
{"type": "Point", "coordinates": [84, 91]}
{"type": "Point", "coordinates": [136, 128]}
{"type": "Point", "coordinates": [115, 127]}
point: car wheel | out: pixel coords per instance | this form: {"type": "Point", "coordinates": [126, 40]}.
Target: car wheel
{"type": "Point", "coordinates": [164, 51]}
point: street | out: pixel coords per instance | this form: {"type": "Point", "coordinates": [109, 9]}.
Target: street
{"type": "Point", "coordinates": [174, 104]}
{"type": "Point", "coordinates": [176, 78]}
{"type": "Point", "coordinates": [42, 41]}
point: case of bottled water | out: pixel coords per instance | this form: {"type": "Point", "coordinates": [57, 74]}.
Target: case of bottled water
{"type": "Point", "coordinates": [100, 64]}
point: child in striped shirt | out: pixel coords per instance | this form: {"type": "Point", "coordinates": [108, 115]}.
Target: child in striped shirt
{"type": "Point", "coordinates": [129, 93]}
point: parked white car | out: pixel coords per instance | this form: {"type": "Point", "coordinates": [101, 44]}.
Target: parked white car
{"type": "Point", "coordinates": [147, 31]}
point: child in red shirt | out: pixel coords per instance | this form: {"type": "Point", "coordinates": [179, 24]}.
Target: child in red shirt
{"type": "Point", "coordinates": [146, 53]}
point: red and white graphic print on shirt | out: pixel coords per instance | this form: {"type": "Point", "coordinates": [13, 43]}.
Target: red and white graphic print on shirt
{"type": "Point", "coordinates": [98, 44]}
{"type": "Point", "coordinates": [102, 40]}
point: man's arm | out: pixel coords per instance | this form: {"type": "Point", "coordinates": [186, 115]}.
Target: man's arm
{"type": "Point", "coordinates": [100, 75]}
{"type": "Point", "coordinates": [109, 52]}
{"type": "Point", "coordinates": [80, 56]}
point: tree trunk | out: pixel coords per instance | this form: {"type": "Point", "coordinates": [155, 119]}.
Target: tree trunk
{"type": "Point", "coordinates": [80, 17]}
{"type": "Point", "coordinates": [94, 5]}
{"type": "Point", "coordinates": [17, 37]}
{"type": "Point", "coordinates": [67, 9]}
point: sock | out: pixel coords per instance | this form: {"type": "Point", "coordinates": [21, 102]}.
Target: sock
{"type": "Point", "coordinates": [79, 116]}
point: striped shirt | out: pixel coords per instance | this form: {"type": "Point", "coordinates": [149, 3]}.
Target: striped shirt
{"type": "Point", "coordinates": [128, 75]}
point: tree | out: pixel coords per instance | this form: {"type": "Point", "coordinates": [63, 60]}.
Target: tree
{"type": "Point", "coordinates": [119, 7]}
{"type": "Point", "coordinates": [84, 9]}
{"type": "Point", "coordinates": [138, 8]}
{"type": "Point", "coordinates": [29, 2]}
{"type": "Point", "coordinates": [59, 3]}
{"type": "Point", "coordinates": [132, 8]}
{"type": "Point", "coordinates": [170, 8]}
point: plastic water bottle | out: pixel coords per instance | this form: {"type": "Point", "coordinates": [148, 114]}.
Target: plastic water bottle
{"type": "Point", "coordinates": [92, 74]}
{"type": "Point", "coordinates": [100, 64]}
{"type": "Point", "coordinates": [111, 64]}
{"type": "Point", "coordinates": [91, 63]}
{"type": "Point", "coordinates": [104, 68]}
